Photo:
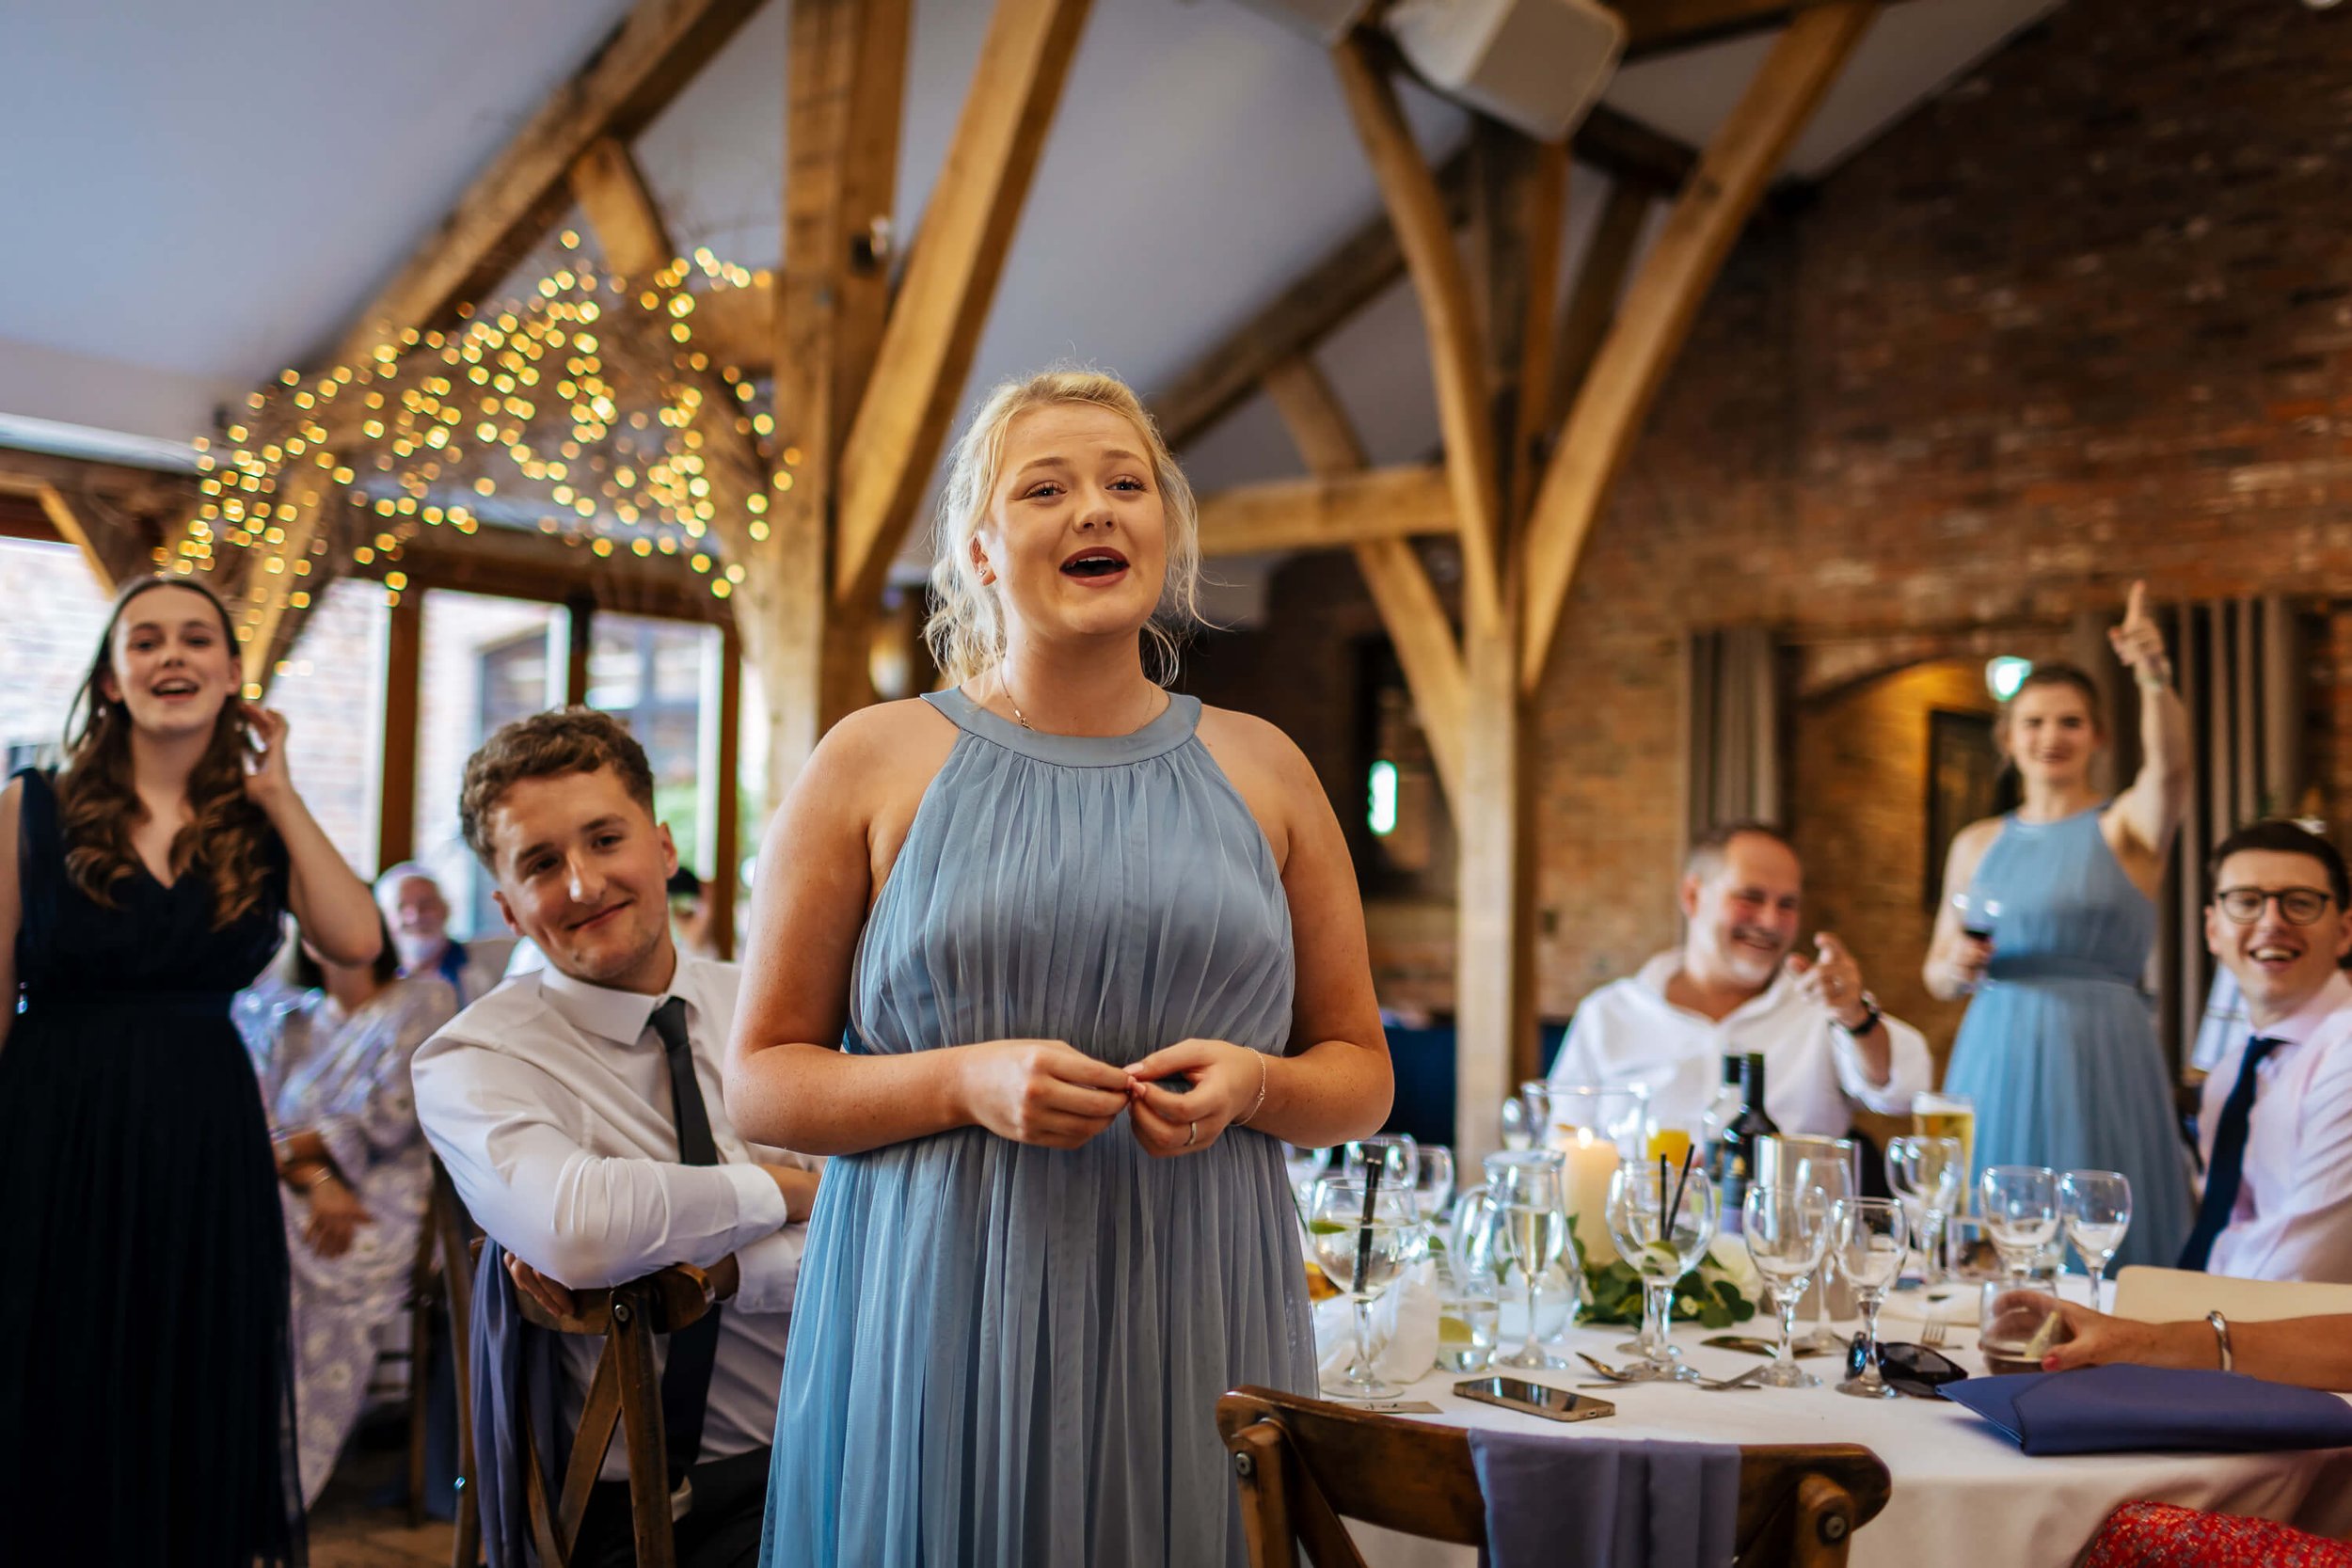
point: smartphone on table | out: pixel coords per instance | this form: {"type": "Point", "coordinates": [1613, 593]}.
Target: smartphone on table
{"type": "Point", "coordinates": [1534, 1399]}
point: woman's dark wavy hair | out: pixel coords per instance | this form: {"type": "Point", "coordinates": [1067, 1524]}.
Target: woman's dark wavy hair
{"type": "Point", "coordinates": [98, 805]}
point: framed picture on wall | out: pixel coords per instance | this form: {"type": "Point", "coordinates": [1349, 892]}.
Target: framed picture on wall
{"type": "Point", "coordinates": [1963, 784]}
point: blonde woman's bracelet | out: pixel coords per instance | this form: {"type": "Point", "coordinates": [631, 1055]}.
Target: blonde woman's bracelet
{"type": "Point", "coordinates": [1260, 1103]}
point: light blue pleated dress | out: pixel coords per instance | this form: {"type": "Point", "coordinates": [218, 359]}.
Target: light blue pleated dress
{"type": "Point", "coordinates": [2059, 1048]}
{"type": "Point", "coordinates": [1002, 1353]}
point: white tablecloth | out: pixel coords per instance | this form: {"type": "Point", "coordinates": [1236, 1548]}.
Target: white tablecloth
{"type": "Point", "coordinates": [1962, 1496]}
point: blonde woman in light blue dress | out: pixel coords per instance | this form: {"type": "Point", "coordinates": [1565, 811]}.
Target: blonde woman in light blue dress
{"type": "Point", "coordinates": [2059, 1048]}
{"type": "Point", "coordinates": [1052, 963]}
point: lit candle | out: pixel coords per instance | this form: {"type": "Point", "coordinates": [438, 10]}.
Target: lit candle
{"type": "Point", "coordinates": [1590, 1163]}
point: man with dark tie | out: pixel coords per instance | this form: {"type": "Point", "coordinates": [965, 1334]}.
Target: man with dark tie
{"type": "Point", "coordinates": [579, 1111]}
{"type": "Point", "coordinates": [2276, 1128]}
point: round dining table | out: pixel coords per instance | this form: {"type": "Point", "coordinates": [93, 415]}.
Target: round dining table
{"type": "Point", "coordinates": [1964, 1494]}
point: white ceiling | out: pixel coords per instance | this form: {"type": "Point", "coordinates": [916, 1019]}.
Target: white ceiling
{"type": "Point", "coordinates": [194, 197]}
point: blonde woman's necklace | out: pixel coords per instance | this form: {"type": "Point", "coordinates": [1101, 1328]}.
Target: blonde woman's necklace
{"type": "Point", "coordinates": [1006, 687]}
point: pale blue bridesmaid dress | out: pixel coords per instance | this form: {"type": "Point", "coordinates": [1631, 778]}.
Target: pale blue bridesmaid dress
{"type": "Point", "coordinates": [1002, 1353]}
{"type": "Point", "coordinates": [2059, 1048]}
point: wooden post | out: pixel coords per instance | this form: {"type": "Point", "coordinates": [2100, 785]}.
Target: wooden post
{"type": "Point", "coordinates": [726, 851]}
{"type": "Point", "coordinates": [396, 796]}
{"type": "Point", "coordinates": [579, 627]}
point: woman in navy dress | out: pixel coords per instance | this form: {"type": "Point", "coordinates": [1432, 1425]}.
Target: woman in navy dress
{"type": "Point", "coordinates": [2059, 1048]}
{"type": "Point", "coordinates": [1098, 953]}
{"type": "Point", "coordinates": [146, 1406]}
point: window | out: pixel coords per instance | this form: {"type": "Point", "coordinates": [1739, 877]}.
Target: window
{"type": "Point", "coordinates": [52, 611]}
{"type": "Point", "coordinates": [485, 660]}
{"type": "Point", "coordinates": [662, 678]}
{"type": "Point", "coordinates": [332, 694]}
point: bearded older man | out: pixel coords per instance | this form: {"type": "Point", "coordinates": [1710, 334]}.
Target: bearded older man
{"type": "Point", "coordinates": [1734, 987]}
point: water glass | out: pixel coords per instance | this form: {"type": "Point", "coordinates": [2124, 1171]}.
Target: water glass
{"type": "Point", "coordinates": [2097, 1205]}
{"type": "Point", "coordinates": [1432, 1180]}
{"type": "Point", "coordinates": [2018, 1321]}
{"type": "Point", "coordinates": [1517, 1134]}
{"type": "Point", "coordinates": [1868, 1236]}
{"type": "Point", "coordinates": [1469, 1315]}
{"type": "Point", "coordinates": [1834, 1166]}
{"type": "Point", "coordinates": [1397, 1155]}
{"type": "Point", "coordinates": [1662, 1223]}
{"type": "Point", "coordinates": [1615, 1114]}
{"type": "Point", "coordinates": [1928, 1175]}
{"type": "Point", "coordinates": [1302, 1165]}
{"type": "Point", "coordinates": [2020, 1204]}
{"type": "Point", "coordinates": [1363, 1239]}
{"type": "Point", "coordinates": [1786, 1230]}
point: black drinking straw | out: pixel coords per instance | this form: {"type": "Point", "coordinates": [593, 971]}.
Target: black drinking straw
{"type": "Point", "coordinates": [1363, 1236]}
{"type": "Point", "coordinates": [1662, 1197]}
{"type": "Point", "coordinates": [1669, 1226]}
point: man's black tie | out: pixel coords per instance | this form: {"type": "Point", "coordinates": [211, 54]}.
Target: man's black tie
{"type": "Point", "coordinates": [2227, 1171]}
{"type": "Point", "coordinates": [693, 1350]}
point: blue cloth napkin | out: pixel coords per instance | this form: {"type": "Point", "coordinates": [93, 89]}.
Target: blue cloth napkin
{"type": "Point", "coordinates": [2125, 1409]}
{"type": "Point", "coordinates": [514, 1382]}
{"type": "Point", "coordinates": [1594, 1502]}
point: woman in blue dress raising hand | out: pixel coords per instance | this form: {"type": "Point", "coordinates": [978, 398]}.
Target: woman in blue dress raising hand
{"type": "Point", "coordinates": [2059, 1048]}
{"type": "Point", "coordinates": [1098, 953]}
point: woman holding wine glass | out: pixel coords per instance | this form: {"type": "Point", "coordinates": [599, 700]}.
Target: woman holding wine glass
{"type": "Point", "coordinates": [1054, 963]}
{"type": "Point", "coordinates": [2059, 1048]}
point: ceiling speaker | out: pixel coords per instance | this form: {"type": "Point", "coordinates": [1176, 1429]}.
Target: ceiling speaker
{"type": "Point", "coordinates": [1325, 21]}
{"type": "Point", "coordinates": [1537, 65]}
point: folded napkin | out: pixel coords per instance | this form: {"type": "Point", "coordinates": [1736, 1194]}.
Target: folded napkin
{"type": "Point", "coordinates": [1404, 1330]}
{"type": "Point", "coordinates": [2126, 1409]}
{"type": "Point", "coordinates": [1600, 1503]}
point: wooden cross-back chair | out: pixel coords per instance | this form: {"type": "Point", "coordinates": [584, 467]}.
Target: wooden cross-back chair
{"type": "Point", "coordinates": [623, 1394]}
{"type": "Point", "coordinates": [451, 1229]}
{"type": "Point", "coordinates": [1303, 1464]}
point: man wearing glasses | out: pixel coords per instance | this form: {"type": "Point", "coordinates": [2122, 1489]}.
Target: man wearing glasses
{"type": "Point", "coordinates": [2276, 1128]}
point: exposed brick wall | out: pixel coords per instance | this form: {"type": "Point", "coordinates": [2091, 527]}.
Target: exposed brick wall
{"type": "Point", "coordinates": [2086, 317]}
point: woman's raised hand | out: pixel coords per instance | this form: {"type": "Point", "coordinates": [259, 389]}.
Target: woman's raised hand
{"type": "Point", "coordinates": [1225, 1079]}
{"type": "Point", "coordinates": [1042, 1092]}
{"type": "Point", "coordinates": [2140, 643]}
{"type": "Point", "coordinates": [267, 781]}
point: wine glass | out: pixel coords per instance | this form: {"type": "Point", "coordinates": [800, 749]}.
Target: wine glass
{"type": "Point", "coordinates": [1867, 1236]}
{"type": "Point", "coordinates": [1829, 1165]}
{"type": "Point", "coordinates": [2097, 1206]}
{"type": "Point", "coordinates": [1531, 1234]}
{"type": "Point", "coordinates": [1925, 1172]}
{"type": "Point", "coordinates": [1662, 1223]}
{"type": "Point", "coordinates": [1432, 1180]}
{"type": "Point", "coordinates": [1364, 1238]}
{"type": "Point", "coordinates": [1302, 1165]}
{"type": "Point", "coordinates": [1397, 1155]}
{"type": "Point", "coordinates": [1787, 1231]}
{"type": "Point", "coordinates": [1516, 1132]}
{"type": "Point", "coordinates": [2021, 1213]}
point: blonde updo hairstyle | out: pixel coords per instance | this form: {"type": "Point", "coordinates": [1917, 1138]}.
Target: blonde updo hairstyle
{"type": "Point", "coordinates": [967, 629]}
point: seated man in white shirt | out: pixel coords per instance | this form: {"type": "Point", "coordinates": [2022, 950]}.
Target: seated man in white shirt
{"type": "Point", "coordinates": [2276, 1127]}
{"type": "Point", "coordinates": [410, 896]}
{"type": "Point", "coordinates": [1734, 987]}
{"type": "Point", "coordinates": [560, 1103]}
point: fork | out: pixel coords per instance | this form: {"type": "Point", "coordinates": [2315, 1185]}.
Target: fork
{"type": "Point", "coordinates": [1712, 1384]}
{"type": "Point", "coordinates": [1932, 1334]}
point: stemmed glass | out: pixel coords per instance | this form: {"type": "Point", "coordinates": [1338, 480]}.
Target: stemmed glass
{"type": "Point", "coordinates": [1396, 1153]}
{"type": "Point", "coordinates": [1661, 1222]}
{"type": "Point", "coordinates": [1868, 1239]}
{"type": "Point", "coordinates": [1302, 1165]}
{"type": "Point", "coordinates": [1787, 1231]}
{"type": "Point", "coordinates": [1432, 1180]}
{"type": "Point", "coordinates": [1364, 1238]}
{"type": "Point", "coordinates": [1516, 1132]}
{"type": "Point", "coordinates": [2021, 1213]}
{"type": "Point", "coordinates": [1827, 1164]}
{"type": "Point", "coordinates": [1530, 1234]}
{"type": "Point", "coordinates": [2097, 1205]}
{"type": "Point", "coordinates": [1925, 1173]}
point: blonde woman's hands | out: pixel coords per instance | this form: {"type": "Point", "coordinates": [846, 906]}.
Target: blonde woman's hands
{"type": "Point", "coordinates": [1225, 1080]}
{"type": "Point", "coordinates": [1042, 1092]}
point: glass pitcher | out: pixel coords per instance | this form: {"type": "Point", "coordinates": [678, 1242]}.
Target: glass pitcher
{"type": "Point", "coordinates": [1513, 1227]}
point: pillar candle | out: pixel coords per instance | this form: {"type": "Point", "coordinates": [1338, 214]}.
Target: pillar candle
{"type": "Point", "coordinates": [1590, 1163]}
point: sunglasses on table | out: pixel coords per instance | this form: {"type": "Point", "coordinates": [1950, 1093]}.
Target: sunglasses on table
{"type": "Point", "coordinates": [1912, 1370]}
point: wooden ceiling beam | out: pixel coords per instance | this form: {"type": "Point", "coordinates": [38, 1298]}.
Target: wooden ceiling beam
{"type": "Point", "coordinates": [950, 280]}
{"type": "Point", "coordinates": [510, 206]}
{"type": "Point", "coordinates": [1593, 300]}
{"type": "Point", "coordinates": [1663, 26]}
{"type": "Point", "coordinates": [1664, 300]}
{"type": "Point", "coordinates": [1323, 513]}
{"type": "Point", "coordinates": [114, 514]}
{"type": "Point", "coordinates": [1449, 315]}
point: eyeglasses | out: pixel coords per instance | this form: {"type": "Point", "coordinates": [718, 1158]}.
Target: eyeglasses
{"type": "Point", "coordinates": [2300, 905]}
{"type": "Point", "coordinates": [1912, 1369]}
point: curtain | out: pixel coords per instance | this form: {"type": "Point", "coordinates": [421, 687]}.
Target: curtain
{"type": "Point", "coordinates": [1731, 703]}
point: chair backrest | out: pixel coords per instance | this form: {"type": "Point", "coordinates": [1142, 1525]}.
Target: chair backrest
{"type": "Point", "coordinates": [449, 1229]}
{"type": "Point", "coordinates": [2151, 1295]}
{"type": "Point", "coordinates": [625, 1392]}
{"type": "Point", "coordinates": [1304, 1465]}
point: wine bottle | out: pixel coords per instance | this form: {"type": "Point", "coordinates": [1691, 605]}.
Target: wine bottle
{"type": "Point", "coordinates": [1721, 1111]}
{"type": "Point", "coordinates": [1736, 1156]}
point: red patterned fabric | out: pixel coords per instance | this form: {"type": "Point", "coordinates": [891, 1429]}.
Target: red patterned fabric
{"type": "Point", "coordinates": [2158, 1535]}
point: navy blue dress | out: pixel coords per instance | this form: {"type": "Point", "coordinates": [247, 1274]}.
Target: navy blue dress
{"type": "Point", "coordinates": [146, 1401]}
